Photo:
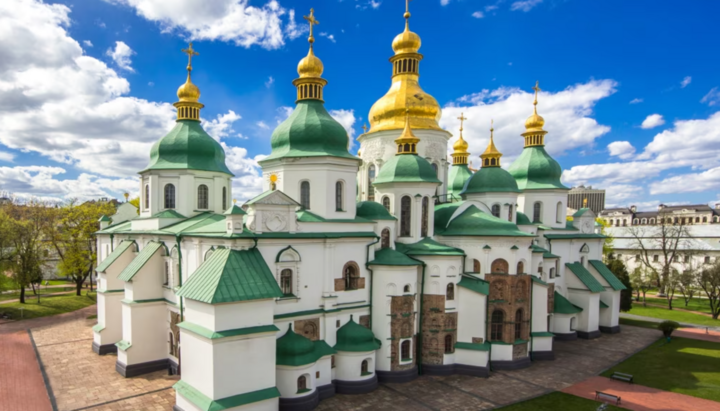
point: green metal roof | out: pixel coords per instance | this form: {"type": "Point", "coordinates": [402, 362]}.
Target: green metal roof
{"type": "Point", "coordinates": [373, 211]}
{"type": "Point", "coordinates": [603, 305]}
{"type": "Point", "coordinates": [310, 131]}
{"type": "Point", "coordinates": [188, 146]}
{"type": "Point", "coordinates": [443, 213]}
{"type": "Point", "coordinates": [168, 214]}
{"type": "Point", "coordinates": [214, 335]}
{"type": "Point", "coordinates": [572, 236]}
{"type": "Point", "coordinates": [537, 249]}
{"type": "Point", "coordinates": [230, 276]}
{"type": "Point", "coordinates": [585, 277]}
{"type": "Point", "coordinates": [388, 256]}
{"type": "Point", "coordinates": [491, 180]}
{"type": "Point", "coordinates": [104, 218]}
{"type": "Point", "coordinates": [117, 252]}
{"type": "Point", "coordinates": [294, 349]}
{"type": "Point", "coordinates": [474, 284]}
{"type": "Point", "coordinates": [459, 175]}
{"type": "Point", "coordinates": [305, 216]}
{"type": "Point", "coordinates": [475, 222]}
{"type": "Point", "coordinates": [473, 346]}
{"type": "Point", "coordinates": [427, 246]}
{"type": "Point", "coordinates": [234, 210]}
{"type": "Point", "coordinates": [608, 275]}
{"type": "Point", "coordinates": [580, 212]}
{"type": "Point", "coordinates": [522, 219]}
{"type": "Point", "coordinates": [534, 169]}
{"type": "Point", "coordinates": [139, 261]}
{"type": "Point", "coordinates": [406, 168]}
{"type": "Point", "coordinates": [354, 337]}
{"type": "Point", "coordinates": [537, 280]}
{"type": "Point", "coordinates": [562, 305]}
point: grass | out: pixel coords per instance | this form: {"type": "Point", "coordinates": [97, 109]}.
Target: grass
{"type": "Point", "coordinates": [29, 294]}
{"type": "Point", "coordinates": [674, 315]}
{"type": "Point", "coordinates": [684, 366]}
{"type": "Point", "coordinates": [695, 304]}
{"type": "Point", "coordinates": [51, 305]}
{"type": "Point", "coordinates": [638, 323]}
{"type": "Point", "coordinates": [58, 282]}
{"type": "Point", "coordinates": [557, 401]}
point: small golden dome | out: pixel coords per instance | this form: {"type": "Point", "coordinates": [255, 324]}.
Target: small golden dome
{"type": "Point", "coordinates": [310, 65]}
{"type": "Point", "coordinates": [534, 122]}
{"type": "Point", "coordinates": [406, 42]}
{"type": "Point", "coordinates": [188, 92]}
{"type": "Point", "coordinates": [460, 146]}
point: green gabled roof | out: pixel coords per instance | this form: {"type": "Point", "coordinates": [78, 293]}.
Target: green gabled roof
{"type": "Point", "coordinates": [459, 175]}
{"type": "Point", "coordinates": [538, 280]}
{"type": "Point", "coordinates": [537, 249]}
{"type": "Point", "coordinates": [206, 403]}
{"type": "Point", "coordinates": [491, 180]}
{"type": "Point", "coordinates": [294, 349]}
{"type": "Point", "coordinates": [168, 214]}
{"type": "Point", "coordinates": [388, 256]}
{"type": "Point", "coordinates": [230, 276]}
{"type": "Point", "coordinates": [603, 305]}
{"type": "Point", "coordinates": [428, 246]}
{"type": "Point", "coordinates": [354, 337]}
{"type": "Point", "coordinates": [608, 275]}
{"type": "Point", "coordinates": [562, 305]}
{"type": "Point", "coordinates": [585, 277]}
{"type": "Point", "coordinates": [117, 252]}
{"type": "Point", "coordinates": [475, 222]}
{"type": "Point", "coordinates": [309, 131]}
{"type": "Point", "coordinates": [104, 219]}
{"type": "Point", "coordinates": [305, 216]}
{"type": "Point", "coordinates": [485, 346]}
{"type": "Point", "coordinates": [139, 261]}
{"type": "Point", "coordinates": [522, 219]}
{"type": "Point", "coordinates": [373, 211]}
{"type": "Point", "coordinates": [113, 228]}
{"type": "Point", "coordinates": [550, 255]}
{"type": "Point", "coordinates": [187, 147]}
{"type": "Point", "coordinates": [474, 284]}
{"type": "Point", "coordinates": [580, 212]}
{"type": "Point", "coordinates": [534, 169]}
{"type": "Point", "coordinates": [234, 210]}
{"type": "Point", "coordinates": [406, 168]}
{"type": "Point", "coordinates": [443, 213]}
{"type": "Point", "coordinates": [198, 224]}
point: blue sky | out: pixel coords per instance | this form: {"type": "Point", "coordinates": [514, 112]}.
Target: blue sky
{"type": "Point", "coordinates": [630, 89]}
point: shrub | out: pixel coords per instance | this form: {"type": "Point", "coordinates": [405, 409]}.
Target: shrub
{"type": "Point", "coordinates": [667, 327]}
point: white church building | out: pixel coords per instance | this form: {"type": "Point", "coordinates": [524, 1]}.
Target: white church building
{"type": "Point", "coordinates": [347, 270]}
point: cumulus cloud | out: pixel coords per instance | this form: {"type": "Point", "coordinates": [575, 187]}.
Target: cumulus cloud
{"type": "Point", "coordinates": [712, 98]}
{"type": "Point", "coordinates": [478, 14]}
{"type": "Point", "coordinates": [329, 36]}
{"type": "Point", "coordinates": [121, 55]}
{"type": "Point", "coordinates": [6, 157]}
{"type": "Point", "coordinates": [685, 81]}
{"type": "Point", "coordinates": [692, 182]}
{"type": "Point", "coordinates": [221, 126]}
{"type": "Point", "coordinates": [636, 101]}
{"type": "Point", "coordinates": [87, 43]}
{"type": "Point", "coordinates": [622, 149]}
{"type": "Point", "coordinates": [269, 82]}
{"type": "Point", "coordinates": [524, 5]}
{"type": "Point", "coordinates": [652, 121]}
{"type": "Point", "coordinates": [262, 125]}
{"type": "Point", "coordinates": [444, 2]}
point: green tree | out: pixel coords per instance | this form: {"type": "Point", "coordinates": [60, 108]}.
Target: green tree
{"type": "Point", "coordinates": [709, 282]}
{"type": "Point", "coordinates": [618, 268]}
{"type": "Point", "coordinates": [608, 243]}
{"type": "Point", "coordinates": [641, 283]}
{"type": "Point", "coordinates": [136, 202]}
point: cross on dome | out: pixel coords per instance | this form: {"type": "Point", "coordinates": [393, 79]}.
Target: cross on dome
{"type": "Point", "coordinates": [190, 53]}
{"type": "Point", "coordinates": [311, 21]}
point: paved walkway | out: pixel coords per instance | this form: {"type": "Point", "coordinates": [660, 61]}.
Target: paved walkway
{"type": "Point", "coordinates": [640, 398]}
{"type": "Point", "coordinates": [698, 334]}
{"type": "Point", "coordinates": [21, 383]}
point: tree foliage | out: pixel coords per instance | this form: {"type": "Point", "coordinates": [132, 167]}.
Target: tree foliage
{"type": "Point", "coordinates": [618, 268]}
{"type": "Point", "coordinates": [709, 282]}
{"type": "Point", "coordinates": [641, 283]}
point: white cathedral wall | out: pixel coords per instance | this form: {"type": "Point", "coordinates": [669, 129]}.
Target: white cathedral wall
{"type": "Point", "coordinates": [396, 191]}
{"type": "Point", "coordinates": [542, 344]}
{"type": "Point", "coordinates": [145, 327]}
{"type": "Point", "coordinates": [287, 380]}
{"type": "Point", "coordinates": [229, 316]}
{"type": "Point", "coordinates": [186, 184]}
{"type": "Point", "coordinates": [549, 200]}
{"type": "Point", "coordinates": [109, 312]}
{"type": "Point", "coordinates": [539, 308]}
{"type": "Point", "coordinates": [588, 319]}
{"type": "Point", "coordinates": [471, 318]}
{"type": "Point", "coordinates": [501, 352]}
{"type": "Point", "coordinates": [560, 323]}
{"type": "Point", "coordinates": [610, 317]}
{"type": "Point", "coordinates": [348, 365]}
{"type": "Point", "coordinates": [500, 248]}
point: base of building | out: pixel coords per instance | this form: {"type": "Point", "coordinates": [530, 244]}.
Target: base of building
{"type": "Point", "coordinates": [444, 369]}
{"type": "Point", "coordinates": [133, 370]}
{"type": "Point", "coordinates": [510, 365]}
{"type": "Point", "coordinates": [305, 403]}
{"type": "Point", "coordinates": [104, 349]}
{"type": "Point", "coordinates": [356, 387]}
{"type": "Point", "coordinates": [173, 367]}
{"type": "Point", "coordinates": [326, 391]}
{"type": "Point", "coordinates": [566, 337]}
{"type": "Point", "coordinates": [472, 370]}
{"type": "Point", "coordinates": [589, 335]}
{"type": "Point", "coordinates": [610, 330]}
{"type": "Point", "coordinates": [397, 376]}
{"type": "Point", "coordinates": [451, 369]}
{"type": "Point", "coordinates": [543, 355]}
{"type": "Point", "coordinates": [176, 408]}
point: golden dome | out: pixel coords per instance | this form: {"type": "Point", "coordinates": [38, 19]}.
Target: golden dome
{"type": "Point", "coordinates": [405, 93]}
{"type": "Point", "coordinates": [407, 41]}
{"type": "Point", "coordinates": [491, 156]}
{"type": "Point", "coordinates": [460, 146]}
{"type": "Point", "coordinates": [310, 65]}
{"type": "Point", "coordinates": [188, 91]}
{"type": "Point", "coordinates": [534, 122]}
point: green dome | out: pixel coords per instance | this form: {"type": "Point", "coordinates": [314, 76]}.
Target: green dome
{"type": "Point", "coordinates": [475, 222]}
{"type": "Point", "coordinates": [406, 168]}
{"type": "Point", "coordinates": [491, 180]}
{"type": "Point", "coordinates": [459, 175]}
{"type": "Point", "coordinates": [373, 211]}
{"type": "Point", "coordinates": [310, 131]}
{"type": "Point", "coordinates": [188, 146]}
{"type": "Point", "coordinates": [536, 170]}
{"type": "Point", "coordinates": [354, 337]}
{"type": "Point", "coordinates": [294, 349]}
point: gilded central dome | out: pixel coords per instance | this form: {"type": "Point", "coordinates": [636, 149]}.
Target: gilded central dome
{"type": "Point", "coordinates": [188, 92]}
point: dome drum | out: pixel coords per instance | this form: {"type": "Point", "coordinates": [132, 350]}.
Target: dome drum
{"type": "Point", "coordinates": [188, 110]}
{"type": "Point", "coordinates": [406, 64]}
{"type": "Point", "coordinates": [309, 88]}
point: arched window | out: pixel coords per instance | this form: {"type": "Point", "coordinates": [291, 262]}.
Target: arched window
{"type": "Point", "coordinates": [435, 168]}
{"type": "Point", "coordinates": [305, 195]}
{"type": "Point", "coordinates": [704, 220]}
{"type": "Point", "coordinates": [371, 174]}
{"type": "Point", "coordinates": [496, 325]}
{"type": "Point", "coordinates": [406, 289]}
{"type": "Point", "coordinates": [302, 383]}
{"type": "Point", "coordinates": [147, 196]}
{"type": "Point", "coordinates": [559, 214]}
{"type": "Point", "coordinates": [405, 216]}
{"type": "Point", "coordinates": [339, 196]}
{"type": "Point", "coordinates": [520, 267]}
{"type": "Point", "coordinates": [449, 344]}
{"type": "Point", "coordinates": [537, 212]}
{"type": "Point", "coordinates": [385, 236]}
{"type": "Point", "coordinates": [286, 281]}
{"type": "Point", "coordinates": [518, 324]}
{"type": "Point", "coordinates": [405, 350]}
{"type": "Point", "coordinates": [496, 210]}
{"type": "Point", "coordinates": [499, 266]}
{"type": "Point", "coordinates": [202, 198]}
{"type": "Point", "coordinates": [450, 293]}
{"type": "Point", "coordinates": [167, 273]}
{"type": "Point", "coordinates": [510, 213]}
{"type": "Point", "coordinates": [169, 196]}
{"type": "Point", "coordinates": [224, 198]}
{"type": "Point", "coordinates": [476, 266]}
{"type": "Point", "coordinates": [350, 275]}
{"type": "Point", "coordinates": [425, 217]}
{"type": "Point", "coordinates": [386, 203]}
{"type": "Point", "coordinates": [552, 272]}
{"type": "Point", "coordinates": [364, 368]}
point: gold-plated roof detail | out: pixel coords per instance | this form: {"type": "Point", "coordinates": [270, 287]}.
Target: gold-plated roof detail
{"type": "Point", "coordinates": [407, 41]}
{"type": "Point", "coordinates": [491, 156]}
{"type": "Point", "coordinates": [407, 142]}
{"type": "Point", "coordinates": [310, 65]}
{"type": "Point", "coordinates": [188, 107]}
{"type": "Point", "coordinates": [534, 134]}
{"type": "Point", "coordinates": [460, 153]}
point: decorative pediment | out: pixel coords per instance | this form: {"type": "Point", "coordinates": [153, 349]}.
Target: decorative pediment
{"type": "Point", "coordinates": [276, 197]}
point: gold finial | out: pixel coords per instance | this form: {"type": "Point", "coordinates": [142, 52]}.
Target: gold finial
{"type": "Point", "coordinates": [311, 21]}
{"type": "Point", "coordinates": [537, 90]}
{"type": "Point", "coordinates": [407, 14]}
{"type": "Point", "coordinates": [461, 118]}
{"type": "Point", "coordinates": [534, 133]}
{"type": "Point", "coordinates": [190, 53]}
{"type": "Point", "coordinates": [491, 156]}
{"type": "Point", "coordinates": [188, 107]}
{"type": "Point", "coordinates": [407, 142]}
{"type": "Point", "coordinates": [364, 127]}
{"type": "Point", "coordinates": [460, 153]}
{"type": "Point", "coordinates": [126, 195]}
{"type": "Point", "coordinates": [234, 200]}
{"type": "Point", "coordinates": [584, 202]}
{"type": "Point", "coordinates": [310, 84]}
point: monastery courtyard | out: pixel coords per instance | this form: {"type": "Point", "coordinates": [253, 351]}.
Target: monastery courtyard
{"type": "Point", "coordinates": [81, 380]}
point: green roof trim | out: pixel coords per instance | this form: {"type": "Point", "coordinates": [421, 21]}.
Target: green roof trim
{"type": "Point", "coordinates": [608, 275]}
{"type": "Point", "coordinates": [522, 219]}
{"type": "Point", "coordinates": [427, 246]}
{"type": "Point", "coordinates": [98, 327]}
{"type": "Point", "coordinates": [491, 180]}
{"type": "Point", "coordinates": [474, 222]}
{"type": "Point", "coordinates": [305, 216]}
{"type": "Point", "coordinates": [231, 276]}
{"type": "Point", "coordinates": [294, 350]}
{"type": "Point", "coordinates": [537, 249]}
{"type": "Point", "coordinates": [406, 168]}
{"type": "Point", "coordinates": [585, 277]}
{"type": "Point", "coordinates": [534, 169]}
{"type": "Point", "coordinates": [487, 247]}
{"type": "Point", "coordinates": [580, 212]}
{"type": "Point", "coordinates": [459, 175]}
{"type": "Point", "coordinates": [542, 334]}
{"type": "Point", "coordinates": [474, 284]}
{"type": "Point", "coordinates": [472, 346]}
{"type": "Point", "coordinates": [140, 260]}
{"type": "Point", "coordinates": [214, 335]}
{"type": "Point", "coordinates": [572, 236]}
{"type": "Point", "coordinates": [603, 305]}
{"type": "Point", "coordinates": [117, 252]}
{"type": "Point", "coordinates": [123, 345]}
{"type": "Point", "coordinates": [514, 247]}
{"type": "Point", "coordinates": [550, 255]}
{"type": "Point", "coordinates": [388, 256]}
{"type": "Point", "coordinates": [537, 280]}
{"type": "Point", "coordinates": [562, 305]}
{"type": "Point", "coordinates": [372, 210]}
{"type": "Point", "coordinates": [205, 403]}
{"type": "Point", "coordinates": [234, 210]}
{"type": "Point", "coordinates": [277, 257]}
{"type": "Point", "coordinates": [353, 337]}
{"type": "Point", "coordinates": [104, 219]}
{"type": "Point", "coordinates": [168, 214]}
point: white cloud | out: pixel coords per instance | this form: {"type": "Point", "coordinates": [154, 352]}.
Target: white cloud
{"type": "Point", "coordinates": [712, 97]}
{"type": "Point", "coordinates": [652, 121]}
{"type": "Point", "coordinates": [221, 126]}
{"type": "Point", "coordinates": [524, 5]}
{"type": "Point", "coordinates": [87, 43]}
{"type": "Point", "coordinates": [374, 4]}
{"type": "Point", "coordinates": [283, 113]}
{"type": "Point", "coordinates": [478, 14]}
{"type": "Point", "coordinates": [329, 36]}
{"type": "Point", "coordinates": [685, 82]}
{"type": "Point", "coordinates": [708, 180]}
{"type": "Point", "coordinates": [225, 20]}
{"type": "Point", "coordinates": [622, 149]}
{"type": "Point", "coordinates": [262, 125]}
{"type": "Point", "coordinates": [636, 101]}
{"type": "Point", "coordinates": [491, 7]}
{"type": "Point", "coordinates": [444, 2]}
{"type": "Point", "coordinates": [269, 82]}
{"type": "Point", "coordinates": [347, 119]}
{"type": "Point", "coordinates": [121, 55]}
{"type": "Point", "coordinates": [6, 157]}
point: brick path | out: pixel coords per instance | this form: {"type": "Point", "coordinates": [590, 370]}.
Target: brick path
{"type": "Point", "coordinates": [17, 358]}
{"type": "Point", "coordinates": [698, 334]}
{"type": "Point", "coordinates": [640, 398]}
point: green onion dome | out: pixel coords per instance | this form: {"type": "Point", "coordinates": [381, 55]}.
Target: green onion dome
{"type": "Point", "coordinates": [536, 170]}
{"type": "Point", "coordinates": [459, 175]}
{"type": "Point", "coordinates": [310, 131]}
{"type": "Point", "coordinates": [188, 147]}
{"type": "Point", "coordinates": [294, 349]}
{"type": "Point", "coordinates": [491, 180]}
{"type": "Point", "coordinates": [356, 338]}
{"type": "Point", "coordinates": [406, 169]}
{"type": "Point", "coordinates": [373, 211]}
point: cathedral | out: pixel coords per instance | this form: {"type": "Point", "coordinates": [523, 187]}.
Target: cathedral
{"type": "Point", "coordinates": [347, 270]}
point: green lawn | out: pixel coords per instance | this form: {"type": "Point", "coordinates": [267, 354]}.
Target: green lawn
{"type": "Point", "coordinates": [50, 305]}
{"type": "Point", "coordinates": [557, 401]}
{"type": "Point", "coordinates": [29, 294]}
{"type": "Point", "coordinates": [638, 323]}
{"type": "Point", "coordinates": [674, 315]}
{"type": "Point", "coordinates": [695, 304]}
{"type": "Point", "coordinates": [684, 366]}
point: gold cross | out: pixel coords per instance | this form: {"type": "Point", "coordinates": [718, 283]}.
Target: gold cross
{"type": "Point", "coordinates": [311, 20]}
{"type": "Point", "coordinates": [407, 6]}
{"type": "Point", "coordinates": [537, 90]}
{"type": "Point", "coordinates": [461, 118]}
{"type": "Point", "coordinates": [364, 127]}
{"type": "Point", "coordinates": [190, 52]}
